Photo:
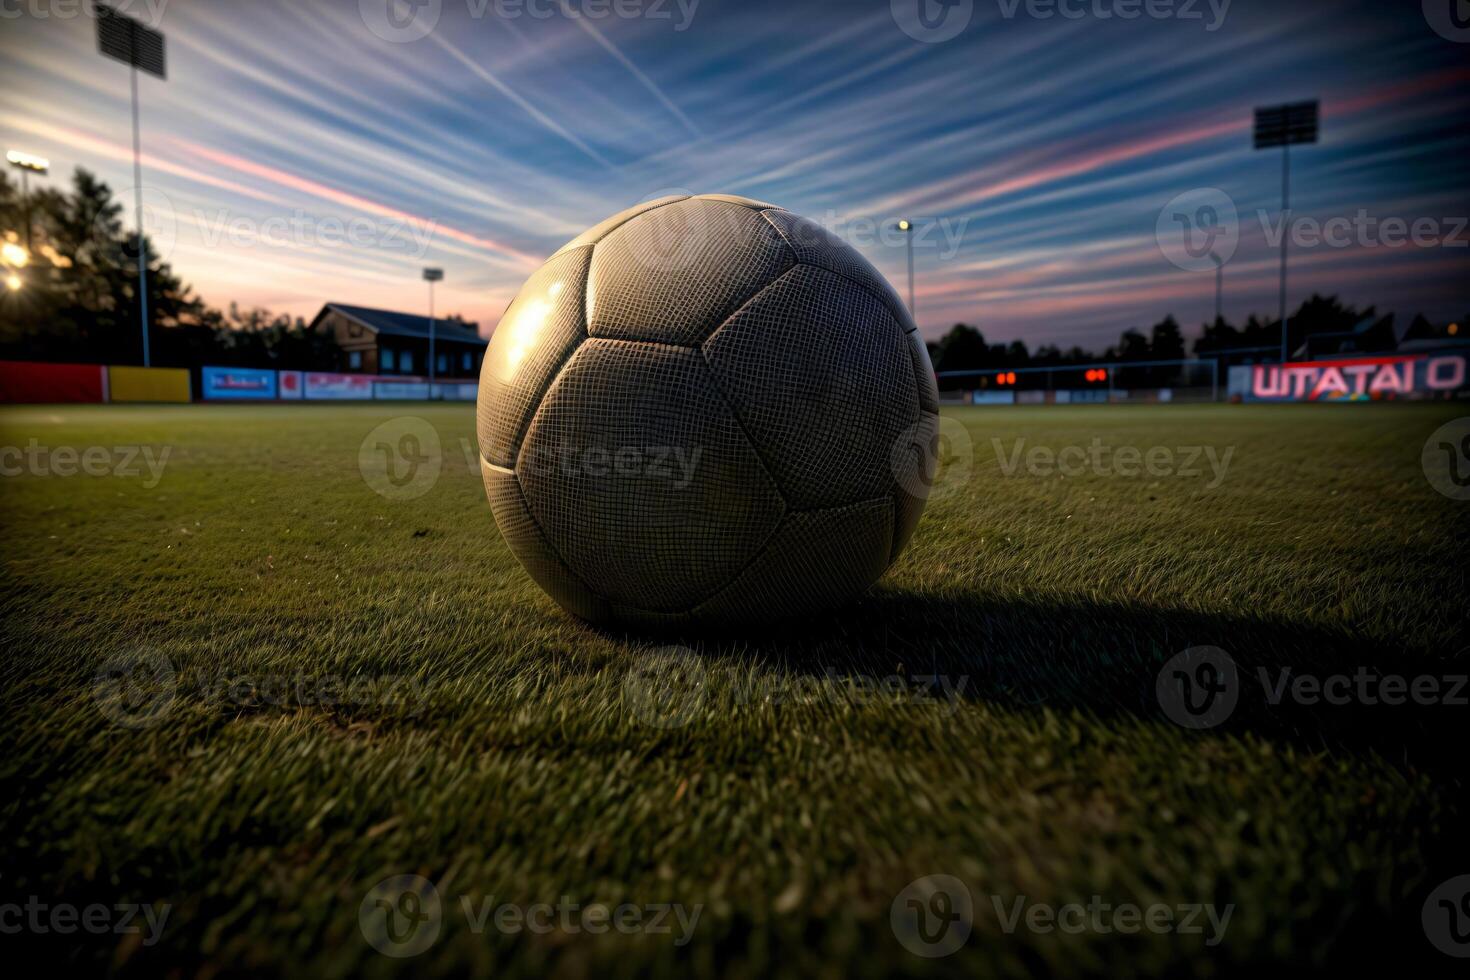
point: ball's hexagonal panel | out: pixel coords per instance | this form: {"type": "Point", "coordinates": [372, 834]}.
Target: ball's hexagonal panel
{"type": "Point", "coordinates": [600, 230]}
{"type": "Point", "coordinates": [538, 332]}
{"type": "Point", "coordinates": [531, 548]}
{"type": "Point", "coordinates": [821, 377]}
{"type": "Point", "coordinates": [671, 275]}
{"type": "Point", "coordinates": [640, 478]}
{"type": "Point", "coordinates": [815, 245]}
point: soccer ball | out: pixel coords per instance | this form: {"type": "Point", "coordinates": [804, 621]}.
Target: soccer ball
{"type": "Point", "coordinates": [702, 410]}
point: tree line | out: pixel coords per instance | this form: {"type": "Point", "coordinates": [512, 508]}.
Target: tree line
{"type": "Point", "coordinates": [78, 295]}
{"type": "Point", "coordinates": [79, 302]}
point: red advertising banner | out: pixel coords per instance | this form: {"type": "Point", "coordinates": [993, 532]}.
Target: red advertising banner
{"type": "Point", "coordinates": [1388, 377]}
{"type": "Point", "coordinates": [30, 382]}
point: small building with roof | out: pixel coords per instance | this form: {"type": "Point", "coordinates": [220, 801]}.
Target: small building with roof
{"type": "Point", "coordinates": [385, 342]}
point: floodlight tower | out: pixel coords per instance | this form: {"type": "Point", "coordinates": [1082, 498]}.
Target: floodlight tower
{"type": "Point", "coordinates": [432, 276]}
{"type": "Point", "coordinates": [28, 164]}
{"type": "Point", "coordinates": [1283, 126]}
{"type": "Point", "coordinates": [139, 47]}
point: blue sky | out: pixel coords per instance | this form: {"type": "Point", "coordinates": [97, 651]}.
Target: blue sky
{"type": "Point", "coordinates": [309, 151]}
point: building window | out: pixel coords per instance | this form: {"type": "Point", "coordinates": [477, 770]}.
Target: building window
{"type": "Point", "coordinates": [405, 362]}
{"type": "Point", "coordinates": [466, 361]}
{"type": "Point", "coordinates": [387, 359]}
{"type": "Point", "coordinates": [354, 360]}
{"type": "Point", "coordinates": [442, 364]}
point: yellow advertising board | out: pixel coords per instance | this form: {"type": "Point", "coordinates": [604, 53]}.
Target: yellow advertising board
{"type": "Point", "coordinates": [139, 384]}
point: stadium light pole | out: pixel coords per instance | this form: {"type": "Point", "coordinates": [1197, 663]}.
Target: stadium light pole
{"type": "Point", "coordinates": [432, 276]}
{"type": "Point", "coordinates": [907, 227]}
{"type": "Point", "coordinates": [138, 46]}
{"type": "Point", "coordinates": [28, 164]}
{"type": "Point", "coordinates": [1219, 283]}
{"type": "Point", "coordinates": [1285, 126]}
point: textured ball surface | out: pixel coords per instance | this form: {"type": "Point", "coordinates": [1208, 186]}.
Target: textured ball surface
{"type": "Point", "coordinates": [706, 409]}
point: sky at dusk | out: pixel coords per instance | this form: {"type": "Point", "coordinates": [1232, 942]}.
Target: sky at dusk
{"type": "Point", "coordinates": [302, 152]}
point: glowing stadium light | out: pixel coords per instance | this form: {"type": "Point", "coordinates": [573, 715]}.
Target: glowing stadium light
{"type": "Point", "coordinates": [13, 255]}
{"type": "Point", "coordinates": [13, 282]}
{"type": "Point", "coordinates": [27, 161]}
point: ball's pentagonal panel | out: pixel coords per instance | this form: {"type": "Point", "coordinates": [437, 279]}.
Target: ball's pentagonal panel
{"type": "Point", "coordinates": [813, 560]}
{"type": "Point", "coordinates": [684, 424]}
{"type": "Point", "coordinates": [821, 376]}
{"type": "Point", "coordinates": [600, 230]}
{"type": "Point", "coordinates": [641, 478]}
{"type": "Point", "coordinates": [532, 550]}
{"type": "Point", "coordinates": [815, 245]}
{"type": "Point", "coordinates": [672, 274]}
{"type": "Point", "coordinates": [538, 332]}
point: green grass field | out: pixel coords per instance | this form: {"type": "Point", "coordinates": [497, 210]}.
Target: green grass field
{"type": "Point", "coordinates": [420, 707]}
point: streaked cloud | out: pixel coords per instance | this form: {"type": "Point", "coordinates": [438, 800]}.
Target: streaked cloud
{"type": "Point", "coordinates": [1053, 144]}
